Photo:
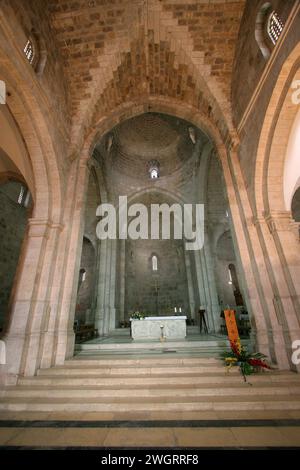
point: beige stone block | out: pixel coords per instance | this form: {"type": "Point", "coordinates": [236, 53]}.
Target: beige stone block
{"type": "Point", "coordinates": [291, 435]}
{"type": "Point", "coordinates": [262, 436]}
{"type": "Point", "coordinates": [37, 437]}
{"type": "Point", "coordinates": [208, 437]}
{"type": "Point", "coordinates": [83, 436]}
{"type": "Point", "coordinates": [6, 434]}
{"type": "Point", "coordinates": [149, 437]}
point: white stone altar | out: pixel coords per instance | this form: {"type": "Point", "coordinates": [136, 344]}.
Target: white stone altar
{"type": "Point", "coordinates": [150, 328]}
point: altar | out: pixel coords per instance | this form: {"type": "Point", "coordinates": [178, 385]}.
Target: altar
{"type": "Point", "coordinates": [149, 328]}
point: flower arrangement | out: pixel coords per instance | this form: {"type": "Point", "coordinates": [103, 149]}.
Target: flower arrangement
{"type": "Point", "coordinates": [137, 316]}
{"type": "Point", "coordinates": [247, 362]}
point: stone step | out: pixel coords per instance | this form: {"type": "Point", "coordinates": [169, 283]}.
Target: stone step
{"type": "Point", "coordinates": [144, 361]}
{"type": "Point", "coordinates": [120, 332]}
{"type": "Point", "coordinates": [135, 370]}
{"type": "Point", "coordinates": [143, 353]}
{"type": "Point", "coordinates": [114, 381]}
{"type": "Point", "coordinates": [289, 402]}
{"type": "Point", "coordinates": [181, 345]}
{"type": "Point", "coordinates": [139, 392]}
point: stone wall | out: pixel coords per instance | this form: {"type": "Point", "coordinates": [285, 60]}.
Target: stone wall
{"type": "Point", "coordinates": [248, 70]}
{"type": "Point", "coordinates": [13, 219]}
{"type": "Point", "coordinates": [142, 281]}
{"type": "Point", "coordinates": [32, 15]}
{"type": "Point", "coordinates": [249, 61]}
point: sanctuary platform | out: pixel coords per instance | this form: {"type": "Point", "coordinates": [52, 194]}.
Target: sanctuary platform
{"type": "Point", "coordinates": [119, 342]}
{"type": "Point", "coordinates": [159, 328]}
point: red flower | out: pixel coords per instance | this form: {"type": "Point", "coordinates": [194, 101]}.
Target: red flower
{"type": "Point", "coordinates": [258, 363]}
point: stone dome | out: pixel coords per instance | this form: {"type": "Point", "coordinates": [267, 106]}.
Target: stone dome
{"type": "Point", "coordinates": [151, 136]}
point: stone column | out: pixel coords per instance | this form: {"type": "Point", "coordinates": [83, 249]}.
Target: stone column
{"type": "Point", "coordinates": [190, 283]}
{"type": "Point", "coordinates": [107, 288]}
{"type": "Point", "coordinates": [71, 248]}
{"type": "Point", "coordinates": [112, 302]}
{"type": "Point", "coordinates": [99, 317]}
{"type": "Point", "coordinates": [259, 294]}
{"type": "Point", "coordinates": [213, 295]}
{"type": "Point", "coordinates": [284, 270]}
{"type": "Point", "coordinates": [200, 281]}
{"type": "Point", "coordinates": [48, 325]}
{"type": "Point", "coordinates": [122, 244]}
{"type": "Point", "coordinates": [207, 301]}
{"type": "Point", "coordinates": [30, 304]}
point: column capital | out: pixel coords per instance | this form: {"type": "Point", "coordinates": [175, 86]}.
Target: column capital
{"type": "Point", "coordinates": [278, 221]}
{"type": "Point", "coordinates": [275, 220]}
{"type": "Point", "coordinates": [41, 227]}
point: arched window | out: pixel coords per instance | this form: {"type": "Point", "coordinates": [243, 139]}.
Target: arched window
{"type": "Point", "coordinates": [275, 27]}
{"type": "Point", "coordinates": [35, 52]}
{"type": "Point", "coordinates": [82, 275]}
{"type": "Point", "coordinates": [154, 173]}
{"type": "Point", "coordinates": [154, 263]}
{"type": "Point", "coordinates": [29, 51]}
{"type": "Point", "coordinates": [153, 168]}
{"type": "Point", "coordinates": [21, 195]}
{"type": "Point", "coordinates": [268, 28]}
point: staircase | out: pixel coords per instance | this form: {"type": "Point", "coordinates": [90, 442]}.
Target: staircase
{"type": "Point", "coordinates": [151, 384]}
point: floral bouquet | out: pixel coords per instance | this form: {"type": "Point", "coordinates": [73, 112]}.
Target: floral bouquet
{"type": "Point", "coordinates": [137, 316]}
{"type": "Point", "coordinates": [247, 362]}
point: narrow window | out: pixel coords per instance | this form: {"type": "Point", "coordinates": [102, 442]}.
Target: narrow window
{"type": "Point", "coordinates": [154, 263]}
{"type": "Point", "coordinates": [154, 173]}
{"type": "Point", "coordinates": [82, 275]}
{"type": "Point", "coordinates": [21, 195]}
{"type": "Point", "coordinates": [29, 51]}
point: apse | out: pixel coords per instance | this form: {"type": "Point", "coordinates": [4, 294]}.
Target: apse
{"type": "Point", "coordinates": [155, 159]}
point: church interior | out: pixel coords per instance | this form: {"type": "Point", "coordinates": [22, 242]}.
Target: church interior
{"type": "Point", "coordinates": [117, 341]}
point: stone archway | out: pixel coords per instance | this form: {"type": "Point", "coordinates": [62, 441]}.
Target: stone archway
{"type": "Point", "coordinates": [274, 222]}
{"type": "Point", "coordinates": [234, 185]}
{"type": "Point", "coordinates": [36, 162]}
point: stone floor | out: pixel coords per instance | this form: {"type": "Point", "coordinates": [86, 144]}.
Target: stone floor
{"type": "Point", "coordinates": [214, 428]}
{"type": "Point", "coordinates": [249, 430]}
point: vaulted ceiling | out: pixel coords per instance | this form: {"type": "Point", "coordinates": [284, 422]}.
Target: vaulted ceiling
{"type": "Point", "coordinates": [115, 51]}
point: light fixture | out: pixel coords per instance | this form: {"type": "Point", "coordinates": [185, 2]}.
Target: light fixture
{"type": "Point", "coordinates": [153, 169]}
